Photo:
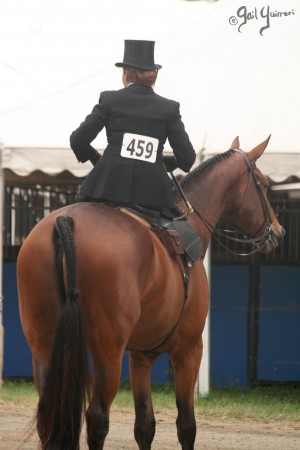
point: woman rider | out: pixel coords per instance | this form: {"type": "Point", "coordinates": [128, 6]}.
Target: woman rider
{"type": "Point", "coordinates": [138, 122]}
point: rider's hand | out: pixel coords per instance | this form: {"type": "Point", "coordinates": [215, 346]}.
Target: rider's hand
{"type": "Point", "coordinates": [95, 158]}
{"type": "Point", "coordinates": [170, 162]}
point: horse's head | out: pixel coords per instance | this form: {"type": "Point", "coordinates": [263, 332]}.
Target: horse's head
{"type": "Point", "coordinates": [253, 214]}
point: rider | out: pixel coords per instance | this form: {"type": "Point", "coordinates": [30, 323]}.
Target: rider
{"type": "Point", "coordinates": [138, 122]}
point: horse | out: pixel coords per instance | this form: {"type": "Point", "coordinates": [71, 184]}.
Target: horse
{"type": "Point", "coordinates": [95, 280]}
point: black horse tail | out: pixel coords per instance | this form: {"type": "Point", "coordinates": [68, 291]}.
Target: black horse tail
{"type": "Point", "coordinates": [63, 396]}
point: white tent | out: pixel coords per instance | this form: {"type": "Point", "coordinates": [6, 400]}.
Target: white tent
{"type": "Point", "coordinates": [57, 55]}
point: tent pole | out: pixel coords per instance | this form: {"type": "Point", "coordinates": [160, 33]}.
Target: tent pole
{"type": "Point", "coordinates": [203, 382]}
{"type": "Point", "coordinates": [1, 264]}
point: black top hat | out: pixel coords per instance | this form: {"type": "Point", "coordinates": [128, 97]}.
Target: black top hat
{"type": "Point", "coordinates": [140, 55]}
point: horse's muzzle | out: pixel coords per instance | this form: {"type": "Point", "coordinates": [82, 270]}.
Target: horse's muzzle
{"type": "Point", "coordinates": [276, 234]}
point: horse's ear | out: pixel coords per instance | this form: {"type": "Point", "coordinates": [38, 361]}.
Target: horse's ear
{"type": "Point", "coordinates": [235, 144]}
{"type": "Point", "coordinates": [257, 151]}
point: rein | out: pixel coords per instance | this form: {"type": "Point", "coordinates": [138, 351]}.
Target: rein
{"type": "Point", "coordinates": [257, 241]}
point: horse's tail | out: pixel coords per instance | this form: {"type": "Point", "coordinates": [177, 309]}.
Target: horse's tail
{"type": "Point", "coordinates": [63, 395]}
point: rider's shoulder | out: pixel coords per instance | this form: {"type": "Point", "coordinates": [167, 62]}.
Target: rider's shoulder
{"type": "Point", "coordinates": [111, 94]}
{"type": "Point", "coordinates": [172, 104]}
{"type": "Point", "coordinates": [107, 94]}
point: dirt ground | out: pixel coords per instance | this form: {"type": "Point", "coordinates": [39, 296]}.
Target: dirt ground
{"type": "Point", "coordinates": [211, 434]}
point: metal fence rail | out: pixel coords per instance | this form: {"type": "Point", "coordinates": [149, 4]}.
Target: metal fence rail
{"type": "Point", "coordinates": [26, 205]}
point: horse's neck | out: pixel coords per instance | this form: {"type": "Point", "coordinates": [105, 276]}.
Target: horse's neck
{"type": "Point", "coordinates": [209, 198]}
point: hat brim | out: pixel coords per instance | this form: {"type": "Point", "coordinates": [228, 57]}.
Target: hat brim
{"type": "Point", "coordinates": [135, 66]}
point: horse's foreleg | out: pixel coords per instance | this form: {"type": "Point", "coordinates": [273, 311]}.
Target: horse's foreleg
{"type": "Point", "coordinates": [140, 376]}
{"type": "Point", "coordinates": [186, 371]}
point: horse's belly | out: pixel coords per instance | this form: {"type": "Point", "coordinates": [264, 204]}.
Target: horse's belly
{"type": "Point", "coordinates": [156, 324]}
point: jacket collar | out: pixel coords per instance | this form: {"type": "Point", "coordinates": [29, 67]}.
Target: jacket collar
{"type": "Point", "coordinates": [141, 88]}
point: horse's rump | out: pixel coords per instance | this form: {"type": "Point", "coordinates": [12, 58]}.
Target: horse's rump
{"type": "Point", "coordinates": [123, 273]}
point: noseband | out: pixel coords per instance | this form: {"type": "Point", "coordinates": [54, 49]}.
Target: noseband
{"type": "Point", "coordinates": [257, 242]}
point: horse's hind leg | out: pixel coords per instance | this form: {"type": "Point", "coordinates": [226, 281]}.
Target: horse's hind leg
{"type": "Point", "coordinates": [106, 381]}
{"type": "Point", "coordinates": [140, 376]}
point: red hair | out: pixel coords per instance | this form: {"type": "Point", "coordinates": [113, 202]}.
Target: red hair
{"type": "Point", "coordinates": [145, 77]}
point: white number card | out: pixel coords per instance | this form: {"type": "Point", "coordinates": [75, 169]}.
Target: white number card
{"type": "Point", "coordinates": [140, 147]}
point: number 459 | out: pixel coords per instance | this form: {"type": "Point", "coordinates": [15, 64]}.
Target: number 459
{"type": "Point", "coordinates": [140, 148]}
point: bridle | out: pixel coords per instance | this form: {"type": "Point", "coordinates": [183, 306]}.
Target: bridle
{"type": "Point", "coordinates": [257, 242]}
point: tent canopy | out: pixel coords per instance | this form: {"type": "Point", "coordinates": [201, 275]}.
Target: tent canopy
{"type": "Point", "coordinates": [53, 161]}
{"type": "Point", "coordinates": [56, 57]}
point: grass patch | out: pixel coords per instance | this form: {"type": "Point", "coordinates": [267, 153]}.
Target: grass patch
{"type": "Point", "coordinates": [18, 392]}
{"type": "Point", "coordinates": [264, 404]}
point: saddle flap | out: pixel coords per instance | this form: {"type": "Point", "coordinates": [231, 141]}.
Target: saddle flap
{"type": "Point", "coordinates": [191, 241]}
{"type": "Point", "coordinates": [172, 242]}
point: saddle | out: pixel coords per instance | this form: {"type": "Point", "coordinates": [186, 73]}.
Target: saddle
{"type": "Point", "coordinates": [178, 236]}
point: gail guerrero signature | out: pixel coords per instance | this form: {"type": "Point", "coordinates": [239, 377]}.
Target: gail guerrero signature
{"type": "Point", "coordinates": [264, 14]}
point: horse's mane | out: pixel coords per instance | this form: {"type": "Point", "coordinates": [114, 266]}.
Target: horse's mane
{"type": "Point", "coordinates": [206, 165]}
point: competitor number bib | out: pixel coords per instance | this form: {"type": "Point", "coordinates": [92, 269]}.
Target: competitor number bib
{"type": "Point", "coordinates": [137, 146]}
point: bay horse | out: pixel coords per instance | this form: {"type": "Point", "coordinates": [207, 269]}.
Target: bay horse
{"type": "Point", "coordinates": [113, 288]}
